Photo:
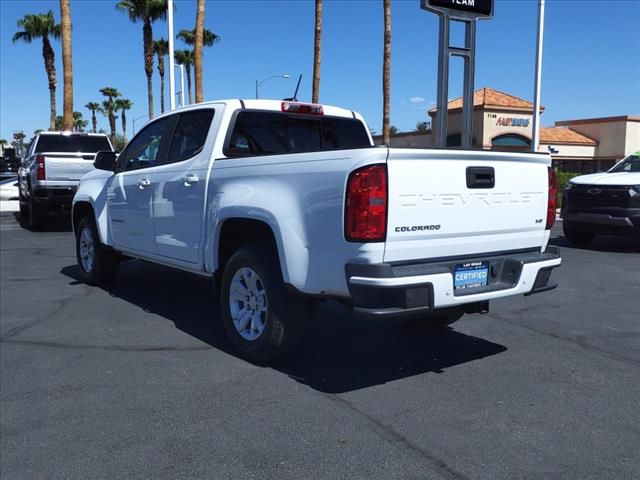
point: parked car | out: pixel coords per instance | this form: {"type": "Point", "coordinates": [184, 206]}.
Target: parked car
{"type": "Point", "coordinates": [9, 163]}
{"type": "Point", "coordinates": [603, 203]}
{"type": "Point", "coordinates": [51, 171]}
{"type": "Point", "coordinates": [282, 203]}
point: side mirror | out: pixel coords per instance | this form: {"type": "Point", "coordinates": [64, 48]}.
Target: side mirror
{"type": "Point", "coordinates": [105, 160]}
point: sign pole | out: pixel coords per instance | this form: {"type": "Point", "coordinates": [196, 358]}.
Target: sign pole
{"type": "Point", "coordinates": [468, 12]}
{"type": "Point", "coordinates": [535, 140]}
{"type": "Point", "coordinates": [469, 82]}
{"type": "Point", "coordinates": [441, 125]}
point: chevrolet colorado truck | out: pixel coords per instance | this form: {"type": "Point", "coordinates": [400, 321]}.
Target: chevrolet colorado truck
{"type": "Point", "coordinates": [603, 203]}
{"type": "Point", "coordinates": [51, 171]}
{"type": "Point", "coordinates": [283, 202]}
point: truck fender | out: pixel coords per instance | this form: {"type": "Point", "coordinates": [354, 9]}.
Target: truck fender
{"type": "Point", "coordinates": [85, 197]}
{"type": "Point", "coordinates": [289, 241]}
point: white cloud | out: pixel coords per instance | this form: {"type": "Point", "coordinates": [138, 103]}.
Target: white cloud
{"type": "Point", "coordinates": [416, 100]}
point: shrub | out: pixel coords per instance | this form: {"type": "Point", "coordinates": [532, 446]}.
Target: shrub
{"type": "Point", "coordinates": [562, 179]}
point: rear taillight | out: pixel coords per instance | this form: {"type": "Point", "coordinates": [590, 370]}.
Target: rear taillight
{"type": "Point", "coordinates": [308, 108]}
{"type": "Point", "coordinates": [365, 218]}
{"type": "Point", "coordinates": [553, 199]}
{"type": "Point", "coordinates": [40, 172]}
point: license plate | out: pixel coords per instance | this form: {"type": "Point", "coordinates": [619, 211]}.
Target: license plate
{"type": "Point", "coordinates": [470, 275]}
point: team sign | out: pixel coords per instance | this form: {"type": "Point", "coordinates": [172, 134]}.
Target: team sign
{"type": "Point", "coordinates": [512, 122]}
{"type": "Point", "coordinates": [483, 7]}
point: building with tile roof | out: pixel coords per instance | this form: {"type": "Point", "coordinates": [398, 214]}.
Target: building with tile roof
{"type": "Point", "coordinates": [505, 122]}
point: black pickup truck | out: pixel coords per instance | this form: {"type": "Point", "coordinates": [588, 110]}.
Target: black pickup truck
{"type": "Point", "coordinates": [603, 203]}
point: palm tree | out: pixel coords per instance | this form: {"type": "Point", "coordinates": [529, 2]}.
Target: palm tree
{"type": "Point", "coordinates": [386, 73]}
{"type": "Point", "coordinates": [79, 123]}
{"type": "Point", "coordinates": [189, 37]}
{"type": "Point", "coordinates": [109, 109]}
{"type": "Point", "coordinates": [67, 66]}
{"type": "Point", "coordinates": [93, 106]}
{"type": "Point", "coordinates": [161, 47]}
{"type": "Point", "coordinates": [124, 104]}
{"type": "Point", "coordinates": [197, 50]}
{"type": "Point", "coordinates": [316, 53]}
{"type": "Point", "coordinates": [422, 127]}
{"type": "Point", "coordinates": [185, 57]}
{"type": "Point", "coordinates": [146, 11]}
{"type": "Point", "coordinates": [43, 26]}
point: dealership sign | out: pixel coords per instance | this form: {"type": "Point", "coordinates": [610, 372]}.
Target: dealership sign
{"type": "Point", "coordinates": [512, 122]}
{"type": "Point", "coordinates": [475, 8]}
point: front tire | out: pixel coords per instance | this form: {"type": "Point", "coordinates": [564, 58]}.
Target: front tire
{"type": "Point", "coordinates": [262, 320]}
{"type": "Point", "coordinates": [98, 265]}
{"type": "Point", "coordinates": [579, 237]}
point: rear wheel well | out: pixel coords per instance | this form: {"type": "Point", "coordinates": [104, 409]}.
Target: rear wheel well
{"type": "Point", "coordinates": [239, 232]}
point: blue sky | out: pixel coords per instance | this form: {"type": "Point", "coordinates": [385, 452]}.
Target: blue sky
{"type": "Point", "coordinates": [591, 61]}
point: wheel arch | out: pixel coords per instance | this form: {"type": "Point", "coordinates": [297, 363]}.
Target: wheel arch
{"type": "Point", "coordinates": [235, 232]}
{"type": "Point", "coordinates": [79, 211]}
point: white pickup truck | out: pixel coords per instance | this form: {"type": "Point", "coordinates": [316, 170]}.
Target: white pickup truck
{"type": "Point", "coordinates": [51, 171]}
{"type": "Point", "coordinates": [285, 202]}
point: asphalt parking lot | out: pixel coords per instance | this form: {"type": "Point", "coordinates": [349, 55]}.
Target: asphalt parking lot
{"type": "Point", "coordinates": [138, 381]}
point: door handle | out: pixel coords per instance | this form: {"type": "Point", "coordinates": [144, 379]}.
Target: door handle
{"type": "Point", "coordinates": [144, 183]}
{"type": "Point", "coordinates": [190, 180]}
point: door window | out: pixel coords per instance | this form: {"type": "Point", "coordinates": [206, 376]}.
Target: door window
{"type": "Point", "coordinates": [146, 148]}
{"type": "Point", "coordinates": [190, 135]}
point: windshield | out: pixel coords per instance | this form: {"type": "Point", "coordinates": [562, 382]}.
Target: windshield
{"type": "Point", "coordinates": [72, 143]}
{"type": "Point", "coordinates": [629, 164]}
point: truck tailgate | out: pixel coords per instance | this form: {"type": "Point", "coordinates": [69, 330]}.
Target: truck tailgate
{"type": "Point", "coordinates": [67, 166]}
{"type": "Point", "coordinates": [442, 204]}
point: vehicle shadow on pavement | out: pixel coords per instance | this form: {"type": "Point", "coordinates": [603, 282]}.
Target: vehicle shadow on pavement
{"type": "Point", "coordinates": [57, 222]}
{"type": "Point", "coordinates": [340, 353]}
{"type": "Point", "coordinates": [602, 243]}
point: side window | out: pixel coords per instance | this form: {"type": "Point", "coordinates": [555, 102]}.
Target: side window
{"type": "Point", "coordinates": [144, 149]}
{"type": "Point", "coordinates": [258, 133]}
{"type": "Point", "coordinates": [190, 135]}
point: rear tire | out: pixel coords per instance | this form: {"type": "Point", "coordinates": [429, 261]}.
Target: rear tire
{"type": "Point", "coordinates": [578, 237]}
{"type": "Point", "coordinates": [37, 215]}
{"type": "Point", "coordinates": [262, 320]}
{"type": "Point", "coordinates": [24, 208]}
{"type": "Point", "coordinates": [98, 265]}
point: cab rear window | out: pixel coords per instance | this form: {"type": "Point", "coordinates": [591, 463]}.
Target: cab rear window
{"type": "Point", "coordinates": [275, 133]}
{"type": "Point", "coordinates": [71, 144]}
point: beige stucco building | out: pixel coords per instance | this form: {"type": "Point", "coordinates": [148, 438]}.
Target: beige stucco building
{"type": "Point", "coordinates": [505, 122]}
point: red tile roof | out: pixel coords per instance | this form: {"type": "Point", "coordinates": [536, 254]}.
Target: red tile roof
{"type": "Point", "coordinates": [488, 97]}
{"type": "Point", "coordinates": [560, 135]}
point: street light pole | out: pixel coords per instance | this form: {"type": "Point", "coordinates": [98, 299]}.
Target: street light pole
{"type": "Point", "coordinates": [172, 80]}
{"type": "Point", "coordinates": [138, 118]}
{"type": "Point", "coordinates": [258, 83]}
{"type": "Point", "coordinates": [535, 140]}
{"type": "Point", "coordinates": [181, 92]}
